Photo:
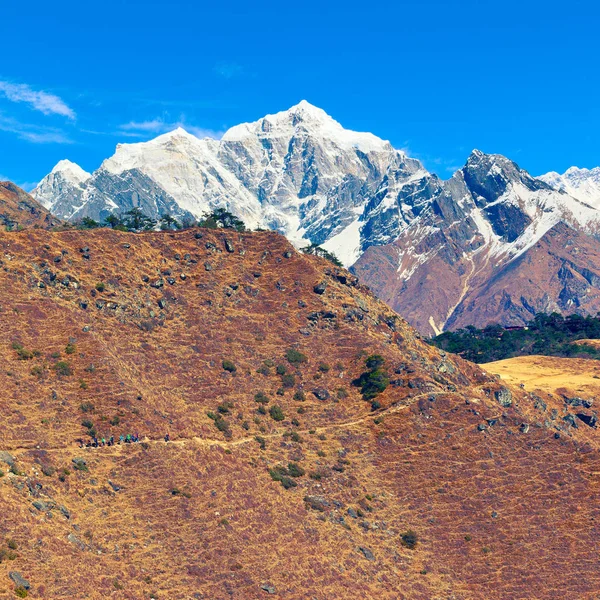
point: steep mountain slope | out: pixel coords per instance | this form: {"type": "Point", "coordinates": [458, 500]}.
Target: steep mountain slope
{"type": "Point", "coordinates": [18, 209]}
{"type": "Point", "coordinates": [245, 352]}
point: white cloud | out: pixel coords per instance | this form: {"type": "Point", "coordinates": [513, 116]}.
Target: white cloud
{"type": "Point", "coordinates": [158, 126]}
{"type": "Point", "coordinates": [33, 133]}
{"type": "Point", "coordinates": [228, 70]}
{"type": "Point", "coordinates": [46, 103]}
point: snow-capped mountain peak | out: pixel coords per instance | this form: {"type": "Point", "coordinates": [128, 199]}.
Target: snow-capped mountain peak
{"type": "Point", "coordinates": [71, 170]}
{"type": "Point", "coordinates": [583, 184]}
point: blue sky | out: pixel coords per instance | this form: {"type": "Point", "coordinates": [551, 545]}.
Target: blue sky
{"type": "Point", "coordinates": [437, 78]}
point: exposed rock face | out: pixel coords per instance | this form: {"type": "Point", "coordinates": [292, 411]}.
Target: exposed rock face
{"type": "Point", "coordinates": [484, 250]}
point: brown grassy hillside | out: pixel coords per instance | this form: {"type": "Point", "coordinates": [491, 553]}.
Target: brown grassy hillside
{"type": "Point", "coordinates": [147, 333]}
{"type": "Point", "coordinates": [19, 210]}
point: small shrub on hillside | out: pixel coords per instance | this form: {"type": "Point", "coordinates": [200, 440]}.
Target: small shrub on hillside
{"type": "Point", "coordinates": [220, 423]}
{"type": "Point", "coordinates": [21, 592]}
{"type": "Point", "coordinates": [70, 348]}
{"type": "Point", "coordinates": [261, 441]}
{"type": "Point", "coordinates": [37, 371]}
{"type": "Point", "coordinates": [225, 407]}
{"type": "Point", "coordinates": [373, 381]}
{"type": "Point", "coordinates": [276, 413]}
{"type": "Point", "coordinates": [229, 366]}
{"type": "Point", "coordinates": [288, 381]}
{"type": "Point", "coordinates": [11, 544]}
{"type": "Point", "coordinates": [87, 407]}
{"type": "Point", "coordinates": [100, 287]}
{"type": "Point", "coordinates": [300, 396]}
{"type": "Point", "coordinates": [63, 368]}
{"type": "Point", "coordinates": [409, 539]}
{"type": "Point", "coordinates": [281, 475]}
{"type": "Point", "coordinates": [296, 437]}
{"type": "Point", "coordinates": [295, 356]}
{"type": "Point", "coordinates": [261, 410]}
{"type": "Point", "coordinates": [324, 367]}
{"type": "Point", "coordinates": [281, 370]}
{"type": "Point", "coordinates": [341, 393]}
{"type": "Point", "coordinates": [2, 473]}
{"type": "Point", "coordinates": [261, 398]}
{"type": "Point", "coordinates": [295, 470]}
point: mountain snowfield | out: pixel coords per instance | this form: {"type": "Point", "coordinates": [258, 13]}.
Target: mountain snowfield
{"type": "Point", "coordinates": [381, 212]}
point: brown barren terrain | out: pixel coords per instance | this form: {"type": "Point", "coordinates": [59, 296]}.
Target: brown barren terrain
{"type": "Point", "coordinates": [123, 333]}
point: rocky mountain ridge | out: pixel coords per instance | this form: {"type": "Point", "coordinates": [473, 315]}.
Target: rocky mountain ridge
{"type": "Point", "coordinates": [423, 244]}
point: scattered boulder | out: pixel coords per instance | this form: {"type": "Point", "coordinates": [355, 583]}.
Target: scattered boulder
{"type": "Point", "coordinates": [267, 587]}
{"type": "Point", "coordinates": [43, 506]}
{"type": "Point", "coordinates": [157, 284]}
{"type": "Point", "coordinates": [7, 458]}
{"type": "Point", "coordinates": [19, 580]}
{"type": "Point", "coordinates": [367, 553]}
{"type": "Point", "coordinates": [503, 397]}
{"type": "Point", "coordinates": [207, 266]}
{"type": "Point", "coordinates": [589, 420]}
{"type": "Point", "coordinates": [524, 427]}
{"type": "Point", "coordinates": [228, 245]}
{"type": "Point", "coordinates": [321, 394]}
{"type": "Point", "coordinates": [320, 288]}
{"type": "Point", "coordinates": [316, 503]}
{"type": "Point", "coordinates": [76, 541]}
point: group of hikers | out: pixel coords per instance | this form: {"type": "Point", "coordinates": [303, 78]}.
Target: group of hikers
{"type": "Point", "coordinates": [130, 438]}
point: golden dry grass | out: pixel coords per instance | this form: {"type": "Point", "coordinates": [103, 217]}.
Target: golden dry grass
{"type": "Point", "coordinates": [549, 373]}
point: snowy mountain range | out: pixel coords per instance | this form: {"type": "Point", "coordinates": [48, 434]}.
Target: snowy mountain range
{"type": "Point", "coordinates": [423, 244]}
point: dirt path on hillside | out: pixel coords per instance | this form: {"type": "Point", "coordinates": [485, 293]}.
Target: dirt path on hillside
{"type": "Point", "coordinates": [229, 444]}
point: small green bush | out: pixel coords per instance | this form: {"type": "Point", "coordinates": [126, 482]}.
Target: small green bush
{"type": "Point", "coordinates": [295, 356]}
{"type": "Point", "coordinates": [288, 381]}
{"type": "Point", "coordinates": [276, 413]}
{"type": "Point", "coordinates": [295, 470]}
{"type": "Point", "coordinates": [87, 407]}
{"type": "Point", "coordinates": [261, 441]}
{"type": "Point", "coordinates": [261, 398]}
{"type": "Point", "coordinates": [224, 407]}
{"type": "Point", "coordinates": [100, 287]}
{"type": "Point", "coordinates": [374, 381]}
{"type": "Point", "coordinates": [70, 348]}
{"type": "Point", "coordinates": [300, 396]}
{"type": "Point", "coordinates": [21, 592]}
{"type": "Point", "coordinates": [63, 368]}
{"type": "Point", "coordinates": [324, 367]}
{"type": "Point", "coordinates": [281, 370]}
{"type": "Point", "coordinates": [229, 366]}
{"type": "Point", "coordinates": [409, 539]}
{"type": "Point", "coordinates": [37, 371]}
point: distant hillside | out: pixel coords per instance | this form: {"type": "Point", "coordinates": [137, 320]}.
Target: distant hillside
{"type": "Point", "coordinates": [550, 335]}
{"type": "Point", "coordinates": [19, 210]}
